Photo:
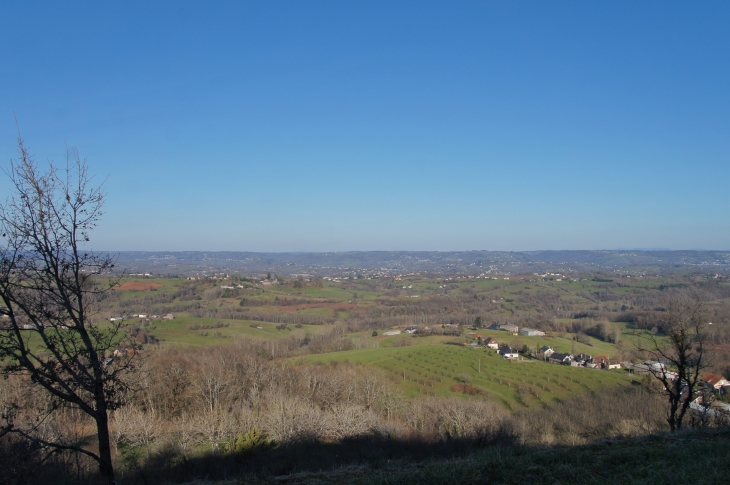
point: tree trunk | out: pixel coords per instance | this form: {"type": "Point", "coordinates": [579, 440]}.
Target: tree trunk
{"type": "Point", "coordinates": [106, 467]}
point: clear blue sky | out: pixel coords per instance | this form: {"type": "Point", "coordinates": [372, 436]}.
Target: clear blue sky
{"type": "Point", "coordinates": [308, 126]}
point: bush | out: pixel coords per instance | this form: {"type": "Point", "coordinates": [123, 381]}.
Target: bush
{"type": "Point", "coordinates": [250, 442]}
{"type": "Point", "coordinates": [464, 377]}
{"type": "Point", "coordinates": [584, 339]}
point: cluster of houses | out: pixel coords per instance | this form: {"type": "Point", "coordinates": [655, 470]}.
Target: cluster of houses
{"type": "Point", "coordinates": [579, 360]}
{"type": "Point", "coordinates": [144, 316]}
{"type": "Point", "coordinates": [549, 355]}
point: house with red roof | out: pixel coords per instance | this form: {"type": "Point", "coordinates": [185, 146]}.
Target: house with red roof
{"type": "Point", "coordinates": [715, 381]}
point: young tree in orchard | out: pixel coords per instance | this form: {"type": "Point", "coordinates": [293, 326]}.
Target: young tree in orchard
{"type": "Point", "coordinates": [679, 351]}
{"type": "Point", "coordinates": [49, 286]}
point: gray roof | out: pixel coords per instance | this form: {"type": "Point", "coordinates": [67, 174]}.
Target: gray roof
{"type": "Point", "coordinates": [560, 356]}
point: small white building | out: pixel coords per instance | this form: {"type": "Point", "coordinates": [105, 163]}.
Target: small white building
{"type": "Point", "coordinates": [491, 343]}
{"type": "Point", "coordinates": [508, 353]}
{"type": "Point", "coordinates": [556, 358]}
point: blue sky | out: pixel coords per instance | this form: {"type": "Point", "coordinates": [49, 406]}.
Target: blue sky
{"type": "Point", "coordinates": [314, 126]}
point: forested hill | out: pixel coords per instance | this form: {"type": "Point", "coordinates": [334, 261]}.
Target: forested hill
{"type": "Point", "coordinates": [454, 262]}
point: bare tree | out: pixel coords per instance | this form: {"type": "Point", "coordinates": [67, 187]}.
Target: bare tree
{"type": "Point", "coordinates": [678, 351]}
{"type": "Point", "coordinates": [136, 426]}
{"type": "Point", "coordinates": [49, 286]}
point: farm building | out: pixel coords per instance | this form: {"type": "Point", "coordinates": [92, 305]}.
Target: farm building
{"type": "Point", "coordinates": [531, 332]}
{"type": "Point", "coordinates": [715, 381]}
{"type": "Point", "coordinates": [491, 343]}
{"type": "Point", "coordinates": [583, 358]}
{"type": "Point", "coordinates": [556, 358]}
{"type": "Point", "coordinates": [644, 369]}
{"type": "Point", "coordinates": [508, 353]}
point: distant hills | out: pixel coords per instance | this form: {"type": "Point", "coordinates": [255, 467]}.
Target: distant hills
{"type": "Point", "coordinates": [436, 262]}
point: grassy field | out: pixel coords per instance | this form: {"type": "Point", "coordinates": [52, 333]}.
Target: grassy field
{"type": "Point", "coordinates": [494, 299]}
{"type": "Point", "coordinates": [697, 457]}
{"type": "Point", "coordinates": [433, 367]}
{"type": "Point", "coordinates": [183, 330]}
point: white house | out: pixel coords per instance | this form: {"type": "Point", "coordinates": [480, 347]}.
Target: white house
{"type": "Point", "coordinates": [508, 353]}
{"type": "Point", "coordinates": [491, 343]}
{"type": "Point", "coordinates": [557, 358]}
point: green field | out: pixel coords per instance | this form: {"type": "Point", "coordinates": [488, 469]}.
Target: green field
{"type": "Point", "coordinates": [183, 330]}
{"type": "Point", "coordinates": [431, 369]}
{"type": "Point", "coordinates": [419, 365]}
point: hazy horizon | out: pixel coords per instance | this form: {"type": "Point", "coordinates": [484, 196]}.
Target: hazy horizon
{"type": "Point", "coordinates": [399, 250]}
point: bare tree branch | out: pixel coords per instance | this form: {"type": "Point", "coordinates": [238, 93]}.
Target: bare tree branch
{"type": "Point", "coordinates": [678, 354]}
{"type": "Point", "coordinates": [49, 284]}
